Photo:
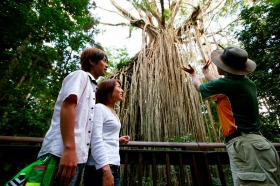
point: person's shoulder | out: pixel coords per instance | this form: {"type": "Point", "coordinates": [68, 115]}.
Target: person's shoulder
{"type": "Point", "coordinates": [77, 75]}
{"type": "Point", "coordinates": [237, 80]}
{"type": "Point", "coordinates": [214, 84]}
{"type": "Point", "coordinates": [100, 105]}
{"type": "Point", "coordinates": [101, 108]}
{"type": "Point", "coordinates": [214, 81]}
{"type": "Point", "coordinates": [78, 72]}
{"type": "Point", "coordinates": [223, 80]}
{"type": "Point", "coordinates": [248, 79]}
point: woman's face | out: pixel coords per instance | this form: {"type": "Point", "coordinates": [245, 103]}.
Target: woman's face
{"type": "Point", "coordinates": [117, 94]}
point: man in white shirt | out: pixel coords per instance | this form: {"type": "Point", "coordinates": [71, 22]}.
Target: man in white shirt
{"type": "Point", "coordinates": [68, 138]}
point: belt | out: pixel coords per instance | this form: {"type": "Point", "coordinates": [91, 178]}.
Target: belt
{"type": "Point", "coordinates": [115, 168]}
{"type": "Point", "coordinates": [239, 133]}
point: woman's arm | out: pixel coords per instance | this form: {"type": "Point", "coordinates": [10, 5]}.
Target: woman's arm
{"type": "Point", "coordinates": [124, 140]}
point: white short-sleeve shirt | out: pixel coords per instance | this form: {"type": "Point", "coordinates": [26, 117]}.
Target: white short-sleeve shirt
{"type": "Point", "coordinates": [77, 83]}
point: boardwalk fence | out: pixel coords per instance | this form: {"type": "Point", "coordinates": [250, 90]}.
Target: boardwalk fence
{"type": "Point", "coordinates": [142, 163]}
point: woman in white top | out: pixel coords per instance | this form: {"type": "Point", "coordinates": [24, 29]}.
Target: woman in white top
{"type": "Point", "coordinates": [105, 138]}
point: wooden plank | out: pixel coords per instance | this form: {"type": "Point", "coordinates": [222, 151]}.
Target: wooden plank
{"type": "Point", "coordinates": [181, 171]}
{"type": "Point", "coordinates": [154, 169]}
{"type": "Point", "coordinates": [168, 172]}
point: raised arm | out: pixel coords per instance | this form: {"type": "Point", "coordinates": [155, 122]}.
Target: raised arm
{"type": "Point", "coordinates": [195, 80]}
{"type": "Point", "coordinates": [205, 71]}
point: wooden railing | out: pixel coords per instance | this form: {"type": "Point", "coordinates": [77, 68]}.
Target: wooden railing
{"type": "Point", "coordinates": [173, 163]}
{"type": "Point", "coordinates": [142, 163]}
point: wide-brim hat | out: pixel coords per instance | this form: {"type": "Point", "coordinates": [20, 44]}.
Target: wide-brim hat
{"type": "Point", "coordinates": [233, 60]}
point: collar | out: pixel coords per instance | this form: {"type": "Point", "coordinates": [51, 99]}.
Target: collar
{"type": "Point", "coordinates": [92, 78]}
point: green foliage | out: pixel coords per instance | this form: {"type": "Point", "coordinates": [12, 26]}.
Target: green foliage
{"type": "Point", "coordinates": [231, 6]}
{"type": "Point", "coordinates": [270, 129]}
{"type": "Point", "coordinates": [181, 139]}
{"type": "Point", "coordinates": [167, 14]}
{"type": "Point", "coordinates": [141, 4]}
{"type": "Point", "coordinates": [261, 39]}
{"type": "Point", "coordinates": [148, 181]}
{"type": "Point", "coordinates": [118, 58]}
{"type": "Point", "coordinates": [40, 44]}
{"type": "Point", "coordinates": [215, 176]}
{"type": "Point", "coordinates": [123, 62]}
{"type": "Point", "coordinates": [274, 2]}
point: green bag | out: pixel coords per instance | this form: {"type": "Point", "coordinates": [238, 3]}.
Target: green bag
{"type": "Point", "coordinates": [38, 173]}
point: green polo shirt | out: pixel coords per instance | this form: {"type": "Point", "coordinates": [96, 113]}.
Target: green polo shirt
{"type": "Point", "coordinates": [237, 103]}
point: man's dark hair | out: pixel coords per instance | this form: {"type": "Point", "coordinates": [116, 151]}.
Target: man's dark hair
{"type": "Point", "coordinates": [93, 55]}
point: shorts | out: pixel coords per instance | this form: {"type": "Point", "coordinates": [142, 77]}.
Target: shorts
{"type": "Point", "coordinates": [253, 161]}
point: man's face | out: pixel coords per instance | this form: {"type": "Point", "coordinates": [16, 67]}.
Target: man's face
{"type": "Point", "coordinates": [100, 68]}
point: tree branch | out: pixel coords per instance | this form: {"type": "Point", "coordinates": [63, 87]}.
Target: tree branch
{"type": "Point", "coordinates": [125, 13]}
{"type": "Point", "coordinates": [174, 7]}
{"type": "Point", "coordinates": [162, 14]}
{"type": "Point", "coordinates": [155, 12]}
{"type": "Point", "coordinates": [116, 24]}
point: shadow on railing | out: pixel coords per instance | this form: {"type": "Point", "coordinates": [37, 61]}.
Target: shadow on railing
{"type": "Point", "coordinates": [142, 163]}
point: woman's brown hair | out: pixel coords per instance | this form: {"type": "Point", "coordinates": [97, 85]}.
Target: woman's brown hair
{"type": "Point", "coordinates": [105, 89]}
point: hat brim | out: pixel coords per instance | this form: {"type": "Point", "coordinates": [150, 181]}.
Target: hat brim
{"type": "Point", "coordinates": [250, 65]}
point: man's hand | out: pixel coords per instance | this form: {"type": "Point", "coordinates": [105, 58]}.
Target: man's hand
{"type": "Point", "coordinates": [205, 71]}
{"type": "Point", "coordinates": [67, 167]}
{"type": "Point", "coordinates": [108, 178]}
{"type": "Point", "coordinates": [124, 139]}
{"type": "Point", "coordinates": [205, 67]}
{"type": "Point", "coordinates": [189, 69]}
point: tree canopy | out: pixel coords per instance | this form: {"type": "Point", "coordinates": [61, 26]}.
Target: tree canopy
{"type": "Point", "coordinates": [40, 45]}
{"type": "Point", "coordinates": [261, 39]}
